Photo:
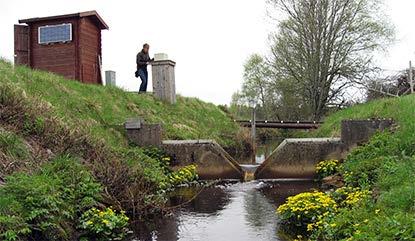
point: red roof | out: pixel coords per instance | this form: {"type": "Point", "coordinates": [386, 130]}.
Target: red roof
{"type": "Point", "coordinates": [92, 14]}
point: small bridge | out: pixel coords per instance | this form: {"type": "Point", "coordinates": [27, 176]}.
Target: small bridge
{"type": "Point", "coordinates": [305, 125]}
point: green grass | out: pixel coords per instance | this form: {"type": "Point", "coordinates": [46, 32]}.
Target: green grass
{"type": "Point", "coordinates": [386, 166]}
{"type": "Point", "coordinates": [12, 145]}
{"type": "Point", "coordinates": [53, 131]}
{"type": "Point", "coordinates": [399, 109]}
{"type": "Point", "coordinates": [104, 109]}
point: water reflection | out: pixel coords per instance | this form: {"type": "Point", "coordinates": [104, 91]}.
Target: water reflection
{"type": "Point", "coordinates": [263, 151]}
{"type": "Point", "coordinates": [238, 211]}
{"type": "Point", "coordinates": [210, 200]}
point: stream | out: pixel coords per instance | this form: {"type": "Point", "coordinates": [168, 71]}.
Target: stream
{"type": "Point", "coordinates": [240, 211]}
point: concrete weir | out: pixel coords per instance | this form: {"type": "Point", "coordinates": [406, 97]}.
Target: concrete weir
{"type": "Point", "coordinates": [212, 161]}
{"type": "Point", "coordinates": [297, 158]}
{"type": "Point", "coordinates": [293, 159]}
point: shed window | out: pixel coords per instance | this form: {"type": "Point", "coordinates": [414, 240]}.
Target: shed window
{"type": "Point", "coordinates": [55, 33]}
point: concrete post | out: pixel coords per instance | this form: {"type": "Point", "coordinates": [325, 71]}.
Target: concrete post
{"type": "Point", "coordinates": [164, 86]}
{"type": "Point", "coordinates": [142, 134]}
{"type": "Point", "coordinates": [357, 132]}
{"type": "Point", "coordinates": [110, 78]}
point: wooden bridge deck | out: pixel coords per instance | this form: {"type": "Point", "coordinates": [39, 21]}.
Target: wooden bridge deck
{"type": "Point", "coordinates": [305, 125]}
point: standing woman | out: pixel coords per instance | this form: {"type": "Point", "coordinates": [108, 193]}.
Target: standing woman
{"type": "Point", "coordinates": [143, 59]}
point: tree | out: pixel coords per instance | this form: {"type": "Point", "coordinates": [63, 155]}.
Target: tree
{"type": "Point", "coordinates": [277, 98]}
{"type": "Point", "coordinates": [390, 86]}
{"type": "Point", "coordinates": [256, 76]}
{"type": "Point", "coordinates": [255, 87]}
{"type": "Point", "coordinates": [323, 45]}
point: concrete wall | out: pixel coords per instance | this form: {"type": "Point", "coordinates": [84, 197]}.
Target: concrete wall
{"type": "Point", "coordinates": [297, 158]}
{"type": "Point", "coordinates": [144, 135]}
{"type": "Point", "coordinates": [212, 161]}
{"type": "Point", "coordinates": [357, 132]}
{"type": "Point", "coordinates": [294, 158]}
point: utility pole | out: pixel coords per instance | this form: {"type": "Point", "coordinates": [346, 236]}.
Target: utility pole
{"type": "Point", "coordinates": [253, 134]}
{"type": "Point", "coordinates": [411, 79]}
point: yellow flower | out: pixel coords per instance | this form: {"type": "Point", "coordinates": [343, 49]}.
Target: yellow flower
{"type": "Point", "coordinates": [106, 222]}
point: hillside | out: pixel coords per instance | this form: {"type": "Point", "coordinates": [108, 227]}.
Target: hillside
{"type": "Point", "coordinates": [104, 109]}
{"type": "Point", "coordinates": [385, 168]}
{"type": "Point", "coordinates": [63, 154]}
{"type": "Point", "coordinates": [400, 109]}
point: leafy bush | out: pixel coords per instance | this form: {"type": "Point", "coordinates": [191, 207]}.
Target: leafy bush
{"type": "Point", "coordinates": [183, 175]}
{"type": "Point", "coordinates": [306, 211]}
{"type": "Point", "coordinates": [148, 163]}
{"type": "Point", "coordinates": [104, 224]}
{"type": "Point", "coordinates": [361, 166]}
{"type": "Point", "coordinates": [366, 222]}
{"type": "Point", "coordinates": [349, 196]}
{"type": "Point", "coordinates": [156, 166]}
{"type": "Point", "coordinates": [378, 200]}
{"type": "Point", "coordinates": [46, 204]}
{"type": "Point", "coordinates": [390, 216]}
{"type": "Point", "coordinates": [327, 168]}
{"type": "Point", "coordinates": [311, 212]}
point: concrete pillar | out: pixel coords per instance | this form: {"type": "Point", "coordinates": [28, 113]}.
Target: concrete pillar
{"type": "Point", "coordinates": [164, 86]}
{"type": "Point", "coordinates": [142, 134]}
{"type": "Point", "coordinates": [110, 78]}
{"type": "Point", "coordinates": [357, 132]}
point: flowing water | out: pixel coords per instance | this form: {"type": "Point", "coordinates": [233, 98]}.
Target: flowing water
{"type": "Point", "coordinates": [231, 211]}
{"type": "Point", "coordinates": [240, 211]}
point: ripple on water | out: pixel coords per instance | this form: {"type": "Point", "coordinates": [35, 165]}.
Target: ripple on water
{"type": "Point", "coordinates": [238, 211]}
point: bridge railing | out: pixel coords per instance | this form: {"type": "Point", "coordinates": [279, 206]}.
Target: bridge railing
{"type": "Point", "coordinates": [280, 124]}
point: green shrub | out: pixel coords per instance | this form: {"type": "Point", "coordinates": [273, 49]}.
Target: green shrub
{"type": "Point", "coordinates": [365, 222]}
{"type": "Point", "coordinates": [361, 165]}
{"type": "Point", "coordinates": [150, 166]}
{"type": "Point", "coordinates": [305, 211]}
{"type": "Point", "coordinates": [104, 224]}
{"type": "Point", "coordinates": [183, 175]}
{"type": "Point", "coordinates": [311, 212]}
{"type": "Point", "coordinates": [327, 168]}
{"type": "Point", "coordinates": [46, 204]}
{"type": "Point", "coordinates": [387, 212]}
{"type": "Point", "coordinates": [155, 165]}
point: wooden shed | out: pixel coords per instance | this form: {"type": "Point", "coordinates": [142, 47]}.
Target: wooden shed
{"type": "Point", "coordinates": [69, 45]}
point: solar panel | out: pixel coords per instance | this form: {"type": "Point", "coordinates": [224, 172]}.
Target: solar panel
{"type": "Point", "coordinates": [55, 33]}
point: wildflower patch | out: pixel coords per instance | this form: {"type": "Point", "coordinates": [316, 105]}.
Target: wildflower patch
{"type": "Point", "coordinates": [104, 224]}
{"type": "Point", "coordinates": [327, 168]}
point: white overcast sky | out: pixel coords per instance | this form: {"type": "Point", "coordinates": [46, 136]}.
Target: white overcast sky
{"type": "Point", "coordinates": [209, 39]}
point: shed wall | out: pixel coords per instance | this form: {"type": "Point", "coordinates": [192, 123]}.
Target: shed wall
{"type": "Point", "coordinates": [60, 58]}
{"type": "Point", "coordinates": [90, 51]}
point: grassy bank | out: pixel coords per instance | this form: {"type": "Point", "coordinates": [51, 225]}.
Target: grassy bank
{"type": "Point", "coordinates": [105, 108]}
{"type": "Point", "coordinates": [378, 200]}
{"type": "Point", "coordinates": [65, 161]}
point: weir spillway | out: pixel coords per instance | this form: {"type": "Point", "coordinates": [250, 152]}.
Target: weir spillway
{"type": "Point", "coordinates": [292, 159]}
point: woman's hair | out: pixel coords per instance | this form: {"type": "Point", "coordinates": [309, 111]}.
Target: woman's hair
{"type": "Point", "coordinates": [146, 45]}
